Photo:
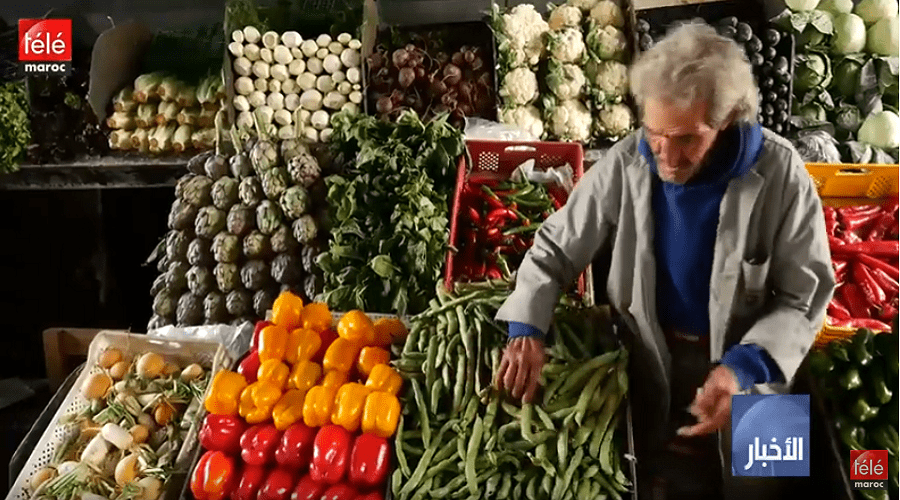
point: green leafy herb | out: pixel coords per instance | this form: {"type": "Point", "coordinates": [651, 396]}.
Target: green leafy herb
{"type": "Point", "coordinates": [15, 127]}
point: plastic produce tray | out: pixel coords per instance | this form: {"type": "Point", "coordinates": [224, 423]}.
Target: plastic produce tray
{"type": "Point", "coordinates": [212, 356]}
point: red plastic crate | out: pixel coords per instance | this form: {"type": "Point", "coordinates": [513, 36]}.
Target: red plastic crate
{"type": "Point", "coordinates": [502, 158]}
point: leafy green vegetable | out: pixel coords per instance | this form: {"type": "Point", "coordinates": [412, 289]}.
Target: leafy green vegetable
{"type": "Point", "coordinates": [846, 75]}
{"type": "Point", "coordinates": [15, 127]}
{"type": "Point", "coordinates": [389, 212]}
{"type": "Point", "coordinates": [813, 69]}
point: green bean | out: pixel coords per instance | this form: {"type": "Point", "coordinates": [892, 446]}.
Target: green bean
{"type": "Point", "coordinates": [448, 488]}
{"type": "Point", "coordinates": [461, 447]}
{"type": "Point", "coordinates": [584, 489]}
{"type": "Point", "coordinates": [545, 418]}
{"type": "Point", "coordinates": [547, 484]}
{"type": "Point", "coordinates": [490, 413]}
{"type": "Point", "coordinates": [584, 431]}
{"type": "Point", "coordinates": [531, 489]}
{"type": "Point", "coordinates": [396, 482]}
{"type": "Point", "coordinates": [569, 474]}
{"type": "Point", "coordinates": [441, 356]}
{"type": "Point", "coordinates": [505, 486]}
{"type": "Point", "coordinates": [526, 422]}
{"type": "Point", "coordinates": [471, 410]}
{"type": "Point", "coordinates": [423, 412]}
{"type": "Point", "coordinates": [413, 338]}
{"type": "Point", "coordinates": [436, 390]}
{"type": "Point", "coordinates": [567, 332]}
{"type": "Point", "coordinates": [552, 389]}
{"type": "Point", "coordinates": [585, 397]}
{"type": "Point", "coordinates": [490, 487]}
{"type": "Point", "coordinates": [591, 472]}
{"type": "Point", "coordinates": [511, 410]}
{"type": "Point", "coordinates": [446, 452]}
{"type": "Point", "coordinates": [576, 379]}
{"type": "Point", "coordinates": [562, 445]}
{"type": "Point", "coordinates": [474, 445]}
{"type": "Point", "coordinates": [605, 484]}
{"type": "Point", "coordinates": [452, 324]}
{"type": "Point", "coordinates": [437, 308]}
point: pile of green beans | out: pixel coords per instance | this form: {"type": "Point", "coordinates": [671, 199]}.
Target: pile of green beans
{"type": "Point", "coordinates": [460, 438]}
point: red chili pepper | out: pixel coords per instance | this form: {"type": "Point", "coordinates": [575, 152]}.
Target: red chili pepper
{"type": "Point", "coordinates": [871, 324]}
{"type": "Point", "coordinates": [369, 461]}
{"type": "Point", "coordinates": [874, 263]}
{"type": "Point", "coordinates": [308, 489]}
{"type": "Point", "coordinates": [855, 299]}
{"type": "Point", "coordinates": [838, 265]}
{"type": "Point", "coordinates": [258, 444]}
{"type": "Point", "coordinates": [296, 446]}
{"type": "Point", "coordinates": [278, 485]}
{"type": "Point", "coordinates": [873, 248]}
{"type": "Point", "coordinates": [852, 238]}
{"type": "Point", "coordinates": [493, 272]}
{"type": "Point", "coordinates": [249, 366]}
{"type": "Point", "coordinates": [892, 205]}
{"type": "Point", "coordinates": [556, 203]}
{"type": "Point", "coordinates": [252, 479]}
{"type": "Point", "coordinates": [881, 227]}
{"type": "Point", "coordinates": [887, 312]}
{"type": "Point", "coordinates": [222, 433]}
{"type": "Point", "coordinates": [499, 215]}
{"type": "Point", "coordinates": [837, 310]}
{"type": "Point", "coordinates": [831, 220]}
{"type": "Point", "coordinates": [491, 199]}
{"type": "Point", "coordinates": [850, 210]}
{"type": "Point", "coordinates": [874, 294]}
{"type": "Point", "coordinates": [331, 452]}
{"type": "Point", "coordinates": [834, 241]}
{"type": "Point", "coordinates": [856, 222]}
{"type": "Point", "coordinates": [483, 178]}
{"type": "Point", "coordinates": [888, 284]}
{"type": "Point", "coordinates": [474, 216]}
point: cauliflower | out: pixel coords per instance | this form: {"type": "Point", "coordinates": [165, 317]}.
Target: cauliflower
{"type": "Point", "coordinates": [584, 5]}
{"type": "Point", "coordinates": [567, 45]}
{"type": "Point", "coordinates": [565, 16]}
{"type": "Point", "coordinates": [565, 80]}
{"type": "Point", "coordinates": [609, 78]}
{"type": "Point", "coordinates": [607, 42]}
{"type": "Point", "coordinates": [523, 30]}
{"type": "Point", "coordinates": [570, 120]}
{"type": "Point", "coordinates": [520, 86]}
{"type": "Point", "coordinates": [607, 13]}
{"type": "Point", "coordinates": [527, 118]}
{"type": "Point", "coordinates": [614, 121]}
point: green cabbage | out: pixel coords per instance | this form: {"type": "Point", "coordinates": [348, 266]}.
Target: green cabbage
{"type": "Point", "coordinates": [848, 118]}
{"type": "Point", "coordinates": [872, 10]}
{"type": "Point", "coordinates": [846, 77]}
{"type": "Point", "coordinates": [849, 34]}
{"type": "Point", "coordinates": [813, 112]}
{"type": "Point", "coordinates": [881, 129]}
{"type": "Point", "coordinates": [812, 70]}
{"type": "Point", "coordinates": [882, 37]}
{"type": "Point", "coordinates": [801, 5]}
{"type": "Point", "coordinates": [836, 7]}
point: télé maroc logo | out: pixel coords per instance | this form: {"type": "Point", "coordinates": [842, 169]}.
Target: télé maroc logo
{"type": "Point", "coordinates": [45, 46]}
{"type": "Point", "coordinates": [869, 469]}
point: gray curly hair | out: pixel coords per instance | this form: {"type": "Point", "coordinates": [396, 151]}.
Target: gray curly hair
{"type": "Point", "coordinates": [694, 64]}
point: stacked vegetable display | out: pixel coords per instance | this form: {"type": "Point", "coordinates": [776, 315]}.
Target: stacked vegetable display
{"type": "Point", "coordinates": [459, 438]}
{"type": "Point", "coordinates": [846, 90]}
{"type": "Point", "coordinates": [858, 377]}
{"type": "Point", "coordinates": [864, 249]}
{"type": "Point", "coordinates": [565, 78]}
{"type": "Point", "coordinates": [161, 114]}
{"type": "Point", "coordinates": [308, 412]}
{"type": "Point", "coordinates": [131, 432]}
{"type": "Point", "coordinates": [244, 225]}
{"type": "Point", "coordinates": [294, 85]}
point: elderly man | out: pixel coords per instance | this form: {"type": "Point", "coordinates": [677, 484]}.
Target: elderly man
{"type": "Point", "coordinates": [718, 262]}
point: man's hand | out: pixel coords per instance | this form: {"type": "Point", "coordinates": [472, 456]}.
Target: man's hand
{"type": "Point", "coordinates": [712, 405]}
{"type": "Point", "coordinates": [521, 367]}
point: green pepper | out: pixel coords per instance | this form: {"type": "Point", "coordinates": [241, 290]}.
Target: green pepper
{"type": "Point", "coordinates": [874, 494]}
{"type": "Point", "coordinates": [877, 385]}
{"type": "Point", "coordinates": [849, 435]}
{"type": "Point", "coordinates": [820, 363]}
{"type": "Point", "coordinates": [883, 439]}
{"type": "Point", "coordinates": [850, 380]}
{"type": "Point", "coordinates": [886, 346]}
{"type": "Point", "coordinates": [861, 346]}
{"type": "Point", "coordinates": [894, 470]}
{"type": "Point", "coordinates": [837, 350]}
{"type": "Point", "coordinates": [862, 412]}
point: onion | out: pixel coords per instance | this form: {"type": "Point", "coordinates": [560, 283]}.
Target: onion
{"type": "Point", "coordinates": [151, 365]}
{"type": "Point", "coordinates": [96, 386]}
{"type": "Point", "coordinates": [126, 469]}
{"type": "Point", "coordinates": [109, 357]}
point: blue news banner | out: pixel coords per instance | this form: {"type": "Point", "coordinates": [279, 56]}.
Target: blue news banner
{"type": "Point", "coordinates": [770, 435]}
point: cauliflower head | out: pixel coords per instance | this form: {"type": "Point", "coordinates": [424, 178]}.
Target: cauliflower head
{"type": "Point", "coordinates": [614, 121]}
{"type": "Point", "coordinates": [609, 78]}
{"type": "Point", "coordinates": [527, 118]}
{"type": "Point", "coordinates": [584, 5]}
{"type": "Point", "coordinates": [570, 120]}
{"type": "Point", "coordinates": [565, 16]}
{"type": "Point", "coordinates": [607, 42]}
{"type": "Point", "coordinates": [520, 86]}
{"type": "Point", "coordinates": [524, 29]}
{"type": "Point", "coordinates": [567, 45]}
{"type": "Point", "coordinates": [566, 81]}
{"type": "Point", "coordinates": [607, 13]}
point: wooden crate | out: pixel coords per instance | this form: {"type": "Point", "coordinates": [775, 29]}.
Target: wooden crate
{"type": "Point", "coordinates": [64, 350]}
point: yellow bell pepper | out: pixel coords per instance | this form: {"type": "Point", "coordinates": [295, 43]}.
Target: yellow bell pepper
{"type": "Point", "coordinates": [304, 375]}
{"type": "Point", "coordinates": [383, 378]}
{"type": "Point", "coordinates": [302, 344]}
{"type": "Point", "coordinates": [274, 372]}
{"type": "Point", "coordinates": [272, 343]}
{"type": "Point", "coordinates": [335, 379]}
{"type": "Point", "coordinates": [258, 400]}
{"type": "Point", "coordinates": [286, 310]}
{"type": "Point", "coordinates": [348, 406]}
{"type": "Point", "coordinates": [371, 356]}
{"type": "Point", "coordinates": [288, 409]}
{"type": "Point", "coordinates": [316, 317]}
{"type": "Point", "coordinates": [387, 330]}
{"type": "Point", "coordinates": [381, 414]}
{"type": "Point", "coordinates": [317, 406]}
{"type": "Point", "coordinates": [340, 355]}
{"type": "Point", "coordinates": [356, 327]}
{"type": "Point", "coordinates": [225, 393]}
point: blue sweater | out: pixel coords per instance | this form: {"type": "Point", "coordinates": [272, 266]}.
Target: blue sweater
{"type": "Point", "coordinates": [686, 222]}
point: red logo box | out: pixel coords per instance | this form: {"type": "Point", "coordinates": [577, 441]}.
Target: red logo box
{"type": "Point", "coordinates": [868, 465]}
{"type": "Point", "coordinates": [45, 40]}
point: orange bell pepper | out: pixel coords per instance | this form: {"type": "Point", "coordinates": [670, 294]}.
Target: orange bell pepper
{"type": "Point", "coordinates": [387, 330]}
{"type": "Point", "coordinates": [304, 375]}
{"type": "Point", "coordinates": [286, 310]}
{"type": "Point", "coordinates": [371, 356]}
{"type": "Point", "coordinates": [273, 341]}
{"type": "Point", "coordinates": [289, 409]}
{"type": "Point", "coordinates": [316, 317]}
{"type": "Point", "coordinates": [317, 406]}
{"type": "Point", "coordinates": [257, 401]}
{"type": "Point", "coordinates": [381, 414]}
{"type": "Point", "coordinates": [274, 372]}
{"type": "Point", "coordinates": [225, 393]}
{"type": "Point", "coordinates": [341, 355]}
{"type": "Point", "coordinates": [335, 379]}
{"type": "Point", "coordinates": [302, 344]}
{"type": "Point", "coordinates": [383, 378]}
{"type": "Point", "coordinates": [355, 326]}
{"type": "Point", "coordinates": [348, 406]}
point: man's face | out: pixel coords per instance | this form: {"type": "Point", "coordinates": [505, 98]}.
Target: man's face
{"type": "Point", "coordinates": [679, 138]}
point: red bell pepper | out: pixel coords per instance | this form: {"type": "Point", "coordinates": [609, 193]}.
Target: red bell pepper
{"type": "Point", "coordinates": [855, 299]}
{"type": "Point", "coordinates": [328, 337]}
{"type": "Point", "coordinates": [249, 366]}
{"type": "Point", "coordinates": [278, 485]}
{"type": "Point", "coordinates": [369, 461]}
{"type": "Point", "coordinates": [252, 479]}
{"type": "Point", "coordinates": [222, 433]}
{"type": "Point", "coordinates": [213, 477]}
{"type": "Point", "coordinates": [888, 284]}
{"type": "Point", "coordinates": [331, 453]}
{"type": "Point", "coordinates": [874, 294]}
{"type": "Point", "coordinates": [371, 496]}
{"type": "Point", "coordinates": [838, 310]}
{"type": "Point", "coordinates": [296, 447]}
{"type": "Point", "coordinates": [254, 342]}
{"type": "Point", "coordinates": [340, 492]}
{"type": "Point", "coordinates": [881, 227]}
{"type": "Point", "coordinates": [886, 248]}
{"type": "Point", "coordinates": [308, 489]}
{"type": "Point", "coordinates": [872, 324]}
{"type": "Point", "coordinates": [258, 444]}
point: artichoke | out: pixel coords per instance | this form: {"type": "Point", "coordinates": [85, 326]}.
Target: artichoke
{"type": "Point", "coordinates": [305, 229]}
{"type": "Point", "coordinates": [214, 308]}
{"type": "Point", "coordinates": [312, 286]}
{"type": "Point", "coordinates": [282, 239]}
{"type": "Point", "coordinates": [226, 248]}
{"type": "Point", "coordinates": [295, 202]}
{"type": "Point", "coordinates": [157, 322]}
{"type": "Point", "coordinates": [240, 166]}
{"type": "Point", "coordinates": [262, 302]}
{"type": "Point", "coordinates": [290, 148]}
{"type": "Point", "coordinates": [162, 264]}
{"type": "Point", "coordinates": [309, 255]}
{"type": "Point", "coordinates": [263, 156]}
{"type": "Point", "coordinates": [286, 269]}
{"type": "Point", "coordinates": [200, 281]}
{"type": "Point", "coordinates": [257, 245]}
{"type": "Point", "coordinates": [176, 277]}
{"type": "Point", "coordinates": [210, 222]}
{"type": "Point", "coordinates": [194, 189]}
{"type": "Point", "coordinates": [190, 310]}
{"type": "Point", "coordinates": [251, 191]}
{"type": "Point", "coordinates": [268, 217]}
{"type": "Point", "coordinates": [164, 304]}
{"type": "Point", "coordinates": [182, 215]}
{"type": "Point", "coordinates": [241, 220]}
{"type": "Point", "coordinates": [304, 169]}
{"type": "Point", "coordinates": [255, 275]}
{"type": "Point", "coordinates": [224, 193]}
{"type": "Point", "coordinates": [159, 284]}
{"type": "Point", "coordinates": [239, 303]}
{"type": "Point", "coordinates": [197, 164]}
{"type": "Point", "coordinates": [177, 245]}
{"type": "Point", "coordinates": [274, 182]}
{"type": "Point", "coordinates": [216, 167]}
{"type": "Point", "coordinates": [228, 277]}
{"type": "Point", "coordinates": [200, 253]}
